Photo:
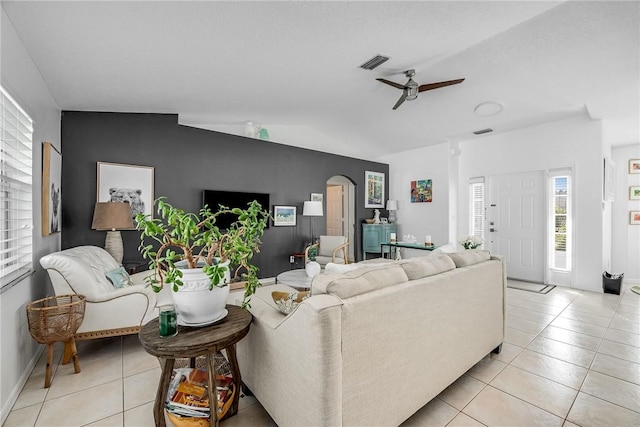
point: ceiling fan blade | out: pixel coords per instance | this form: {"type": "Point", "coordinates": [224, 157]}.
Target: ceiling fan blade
{"type": "Point", "coordinates": [430, 86]}
{"type": "Point", "coordinates": [390, 83]}
{"type": "Point", "coordinates": [401, 100]}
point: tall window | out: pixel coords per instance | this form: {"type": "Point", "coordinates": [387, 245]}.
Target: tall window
{"type": "Point", "coordinates": [16, 215]}
{"type": "Point", "coordinates": [560, 220]}
{"type": "Point", "coordinates": [476, 207]}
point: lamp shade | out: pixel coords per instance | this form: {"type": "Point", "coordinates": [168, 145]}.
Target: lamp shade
{"type": "Point", "coordinates": [392, 205]}
{"type": "Point", "coordinates": [112, 216]}
{"type": "Point", "coordinates": [312, 208]}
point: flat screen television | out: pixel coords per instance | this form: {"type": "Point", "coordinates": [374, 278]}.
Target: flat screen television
{"type": "Point", "coordinates": [232, 199]}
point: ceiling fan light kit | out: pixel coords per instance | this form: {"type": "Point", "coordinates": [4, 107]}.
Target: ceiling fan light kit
{"type": "Point", "coordinates": [410, 90]}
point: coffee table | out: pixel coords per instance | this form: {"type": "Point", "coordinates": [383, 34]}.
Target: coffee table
{"type": "Point", "coordinates": [193, 342]}
{"type": "Point", "coordinates": [297, 279]}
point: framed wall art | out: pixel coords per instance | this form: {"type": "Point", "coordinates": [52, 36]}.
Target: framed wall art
{"type": "Point", "coordinates": [634, 166]}
{"type": "Point", "coordinates": [126, 183]}
{"type": "Point", "coordinates": [634, 192]}
{"type": "Point", "coordinates": [421, 191]}
{"type": "Point", "coordinates": [317, 197]}
{"type": "Point", "coordinates": [284, 216]}
{"type": "Point", "coordinates": [375, 189]}
{"type": "Point", "coordinates": [634, 217]}
{"type": "Point", "coordinates": [51, 189]}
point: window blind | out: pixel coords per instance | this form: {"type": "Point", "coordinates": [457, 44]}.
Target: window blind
{"type": "Point", "coordinates": [476, 207]}
{"type": "Point", "coordinates": [16, 215]}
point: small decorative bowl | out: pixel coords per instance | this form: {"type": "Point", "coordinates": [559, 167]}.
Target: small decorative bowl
{"type": "Point", "coordinates": [370, 221]}
{"type": "Point", "coordinates": [287, 302]}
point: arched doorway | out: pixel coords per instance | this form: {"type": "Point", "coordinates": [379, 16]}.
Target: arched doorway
{"type": "Point", "coordinates": [341, 210]}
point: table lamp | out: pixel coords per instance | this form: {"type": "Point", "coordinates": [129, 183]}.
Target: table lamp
{"type": "Point", "coordinates": [112, 216]}
{"type": "Point", "coordinates": [392, 207]}
{"type": "Point", "coordinates": [312, 208]}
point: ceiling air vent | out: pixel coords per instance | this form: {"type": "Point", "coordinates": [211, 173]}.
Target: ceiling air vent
{"type": "Point", "coordinates": [375, 62]}
{"type": "Point", "coordinates": [480, 132]}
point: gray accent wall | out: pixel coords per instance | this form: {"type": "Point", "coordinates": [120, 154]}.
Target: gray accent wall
{"type": "Point", "coordinates": [188, 160]}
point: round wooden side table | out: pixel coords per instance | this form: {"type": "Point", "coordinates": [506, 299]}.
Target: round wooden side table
{"type": "Point", "coordinates": [193, 342]}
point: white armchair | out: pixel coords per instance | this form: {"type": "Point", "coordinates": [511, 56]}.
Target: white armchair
{"type": "Point", "coordinates": [330, 249]}
{"type": "Point", "coordinates": [109, 311]}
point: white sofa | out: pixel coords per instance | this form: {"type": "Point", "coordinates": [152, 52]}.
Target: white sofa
{"type": "Point", "coordinates": [109, 311]}
{"type": "Point", "coordinates": [372, 346]}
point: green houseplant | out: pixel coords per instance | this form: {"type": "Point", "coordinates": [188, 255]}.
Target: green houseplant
{"type": "Point", "coordinates": [192, 243]}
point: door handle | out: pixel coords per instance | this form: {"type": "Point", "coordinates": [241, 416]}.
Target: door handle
{"type": "Point", "coordinates": [493, 230]}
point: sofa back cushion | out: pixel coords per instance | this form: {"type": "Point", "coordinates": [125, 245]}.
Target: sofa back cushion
{"type": "Point", "coordinates": [417, 268]}
{"type": "Point", "coordinates": [361, 281]}
{"type": "Point", "coordinates": [83, 268]}
{"type": "Point", "coordinates": [329, 243]}
{"type": "Point", "coordinates": [469, 257]}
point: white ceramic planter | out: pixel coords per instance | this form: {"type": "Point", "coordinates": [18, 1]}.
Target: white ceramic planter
{"type": "Point", "coordinates": [195, 303]}
{"type": "Point", "coordinates": [312, 268]}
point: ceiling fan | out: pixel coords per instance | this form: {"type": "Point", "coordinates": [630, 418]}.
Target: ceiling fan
{"type": "Point", "coordinates": [411, 89]}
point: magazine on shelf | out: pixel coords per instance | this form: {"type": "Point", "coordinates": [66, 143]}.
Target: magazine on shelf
{"type": "Point", "coordinates": [188, 393]}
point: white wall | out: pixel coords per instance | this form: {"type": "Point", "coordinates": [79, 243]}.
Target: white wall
{"type": "Point", "coordinates": [575, 143]}
{"type": "Point", "coordinates": [625, 251]}
{"type": "Point", "coordinates": [20, 77]}
{"type": "Point", "coordinates": [420, 219]}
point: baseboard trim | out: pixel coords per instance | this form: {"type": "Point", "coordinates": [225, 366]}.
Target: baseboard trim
{"type": "Point", "coordinates": [13, 396]}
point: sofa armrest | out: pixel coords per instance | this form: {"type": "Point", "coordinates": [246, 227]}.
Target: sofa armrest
{"type": "Point", "coordinates": [121, 292]}
{"type": "Point", "coordinates": [343, 248]}
{"type": "Point", "coordinates": [303, 348]}
{"type": "Point", "coordinates": [122, 308]}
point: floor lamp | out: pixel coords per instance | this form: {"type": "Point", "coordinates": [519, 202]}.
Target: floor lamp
{"type": "Point", "coordinates": [312, 208]}
{"type": "Point", "coordinates": [113, 217]}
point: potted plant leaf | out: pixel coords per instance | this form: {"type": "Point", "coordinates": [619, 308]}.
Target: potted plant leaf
{"type": "Point", "coordinates": [195, 257]}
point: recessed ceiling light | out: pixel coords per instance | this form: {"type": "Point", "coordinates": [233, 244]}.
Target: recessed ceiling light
{"type": "Point", "coordinates": [489, 108]}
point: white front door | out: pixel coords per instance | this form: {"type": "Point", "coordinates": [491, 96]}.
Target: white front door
{"type": "Point", "coordinates": [515, 223]}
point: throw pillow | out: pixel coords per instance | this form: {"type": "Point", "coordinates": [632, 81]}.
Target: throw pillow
{"type": "Point", "coordinates": [118, 277]}
{"type": "Point", "coordinates": [333, 268]}
{"type": "Point", "coordinates": [287, 302]}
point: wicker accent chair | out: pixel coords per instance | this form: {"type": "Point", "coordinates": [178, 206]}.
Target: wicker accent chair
{"type": "Point", "coordinates": [330, 249]}
{"type": "Point", "coordinates": [109, 311]}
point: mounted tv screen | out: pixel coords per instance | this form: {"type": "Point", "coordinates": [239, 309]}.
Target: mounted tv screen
{"type": "Point", "coordinates": [232, 199]}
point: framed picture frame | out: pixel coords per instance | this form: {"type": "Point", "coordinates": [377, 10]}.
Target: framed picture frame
{"type": "Point", "coordinates": [421, 191]}
{"type": "Point", "coordinates": [374, 197]}
{"type": "Point", "coordinates": [126, 183]}
{"type": "Point", "coordinates": [634, 217]}
{"type": "Point", "coordinates": [634, 166]}
{"type": "Point", "coordinates": [317, 197]}
{"type": "Point", "coordinates": [634, 192]}
{"type": "Point", "coordinates": [284, 216]}
{"type": "Point", "coordinates": [51, 189]}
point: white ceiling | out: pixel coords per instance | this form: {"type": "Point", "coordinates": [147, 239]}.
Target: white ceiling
{"type": "Point", "coordinates": [293, 67]}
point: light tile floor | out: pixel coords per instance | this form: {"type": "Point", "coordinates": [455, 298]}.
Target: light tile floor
{"type": "Point", "coordinates": [571, 358]}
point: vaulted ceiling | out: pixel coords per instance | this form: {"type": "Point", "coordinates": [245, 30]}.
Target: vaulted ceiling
{"type": "Point", "coordinates": [293, 67]}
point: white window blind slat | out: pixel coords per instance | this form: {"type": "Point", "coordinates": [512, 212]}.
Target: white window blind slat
{"type": "Point", "coordinates": [476, 207]}
{"type": "Point", "coordinates": [16, 176]}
